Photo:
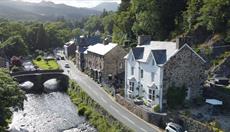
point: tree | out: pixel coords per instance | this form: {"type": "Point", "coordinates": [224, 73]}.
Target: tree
{"type": "Point", "coordinates": [93, 24]}
{"type": "Point", "coordinates": [14, 46]}
{"type": "Point", "coordinates": [41, 39]}
{"type": "Point", "coordinates": [124, 6]}
{"type": "Point", "coordinates": [10, 97]}
{"type": "Point", "coordinates": [108, 22]}
{"type": "Point", "coordinates": [215, 14]}
{"type": "Point", "coordinates": [157, 18]}
{"type": "Point", "coordinates": [191, 14]}
{"type": "Point", "coordinates": [77, 32]}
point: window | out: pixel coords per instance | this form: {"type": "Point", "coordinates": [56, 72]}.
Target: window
{"type": "Point", "coordinates": [132, 70]}
{"type": "Point", "coordinates": [152, 76]}
{"type": "Point", "coordinates": [151, 94]}
{"type": "Point", "coordinates": [121, 65]}
{"type": "Point", "coordinates": [142, 73]}
{"type": "Point", "coordinates": [131, 86]}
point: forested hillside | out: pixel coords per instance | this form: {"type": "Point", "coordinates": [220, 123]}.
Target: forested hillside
{"type": "Point", "coordinates": [21, 38]}
{"type": "Point", "coordinates": [165, 19]}
{"type": "Point", "coordinates": [43, 11]}
{"type": "Point", "coordinates": [205, 22]}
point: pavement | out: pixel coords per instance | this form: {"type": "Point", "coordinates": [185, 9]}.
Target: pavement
{"type": "Point", "coordinates": [106, 101]}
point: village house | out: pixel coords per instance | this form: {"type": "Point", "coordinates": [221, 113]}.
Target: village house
{"type": "Point", "coordinates": [70, 48]}
{"type": "Point", "coordinates": [82, 44]}
{"type": "Point", "coordinates": [154, 66]}
{"type": "Point", "coordinates": [105, 63]}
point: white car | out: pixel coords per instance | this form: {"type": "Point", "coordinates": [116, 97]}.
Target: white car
{"type": "Point", "coordinates": [173, 127]}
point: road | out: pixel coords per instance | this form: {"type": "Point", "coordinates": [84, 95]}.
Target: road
{"type": "Point", "coordinates": [106, 101]}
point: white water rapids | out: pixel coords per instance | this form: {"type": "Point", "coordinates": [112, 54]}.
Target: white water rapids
{"type": "Point", "coordinates": [53, 112]}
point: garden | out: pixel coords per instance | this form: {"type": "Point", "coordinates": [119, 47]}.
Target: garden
{"type": "Point", "coordinates": [46, 63]}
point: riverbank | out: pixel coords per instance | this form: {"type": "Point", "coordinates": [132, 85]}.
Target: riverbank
{"type": "Point", "coordinates": [94, 113]}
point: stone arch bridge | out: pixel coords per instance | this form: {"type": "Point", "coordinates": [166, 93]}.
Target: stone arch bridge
{"type": "Point", "coordinates": [39, 77]}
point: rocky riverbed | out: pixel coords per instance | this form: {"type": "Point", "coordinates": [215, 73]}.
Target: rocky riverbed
{"type": "Point", "coordinates": [49, 112]}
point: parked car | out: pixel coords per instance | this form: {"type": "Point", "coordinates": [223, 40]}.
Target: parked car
{"type": "Point", "coordinates": [62, 58]}
{"type": "Point", "coordinates": [173, 127]}
{"type": "Point", "coordinates": [67, 65]}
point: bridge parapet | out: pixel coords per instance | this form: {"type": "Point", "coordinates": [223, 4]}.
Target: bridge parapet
{"type": "Point", "coordinates": [36, 71]}
{"type": "Point", "coordinates": [39, 77]}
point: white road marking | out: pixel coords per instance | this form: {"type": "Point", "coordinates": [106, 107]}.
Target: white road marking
{"type": "Point", "coordinates": [103, 100]}
{"type": "Point", "coordinates": [143, 129]}
{"type": "Point", "coordinates": [114, 109]}
{"type": "Point", "coordinates": [128, 119]}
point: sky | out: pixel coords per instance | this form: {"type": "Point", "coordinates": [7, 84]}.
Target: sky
{"type": "Point", "coordinates": [77, 3]}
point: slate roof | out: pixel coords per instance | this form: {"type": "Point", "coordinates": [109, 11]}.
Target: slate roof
{"type": "Point", "coordinates": [88, 40]}
{"type": "Point", "coordinates": [138, 52]}
{"type": "Point", "coordinates": [160, 56]}
{"type": "Point", "coordinates": [161, 50]}
{"type": "Point", "coordinates": [101, 49]}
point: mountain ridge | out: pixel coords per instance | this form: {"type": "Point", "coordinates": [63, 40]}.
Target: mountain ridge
{"type": "Point", "coordinates": [108, 6]}
{"type": "Point", "coordinates": [43, 11]}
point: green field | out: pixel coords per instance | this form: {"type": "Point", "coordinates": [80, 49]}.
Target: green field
{"type": "Point", "coordinates": [46, 65]}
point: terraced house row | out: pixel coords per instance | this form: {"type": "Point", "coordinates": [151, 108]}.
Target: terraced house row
{"type": "Point", "coordinates": [146, 71]}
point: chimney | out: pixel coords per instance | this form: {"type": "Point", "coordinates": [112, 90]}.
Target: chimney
{"type": "Point", "coordinates": [106, 41]}
{"type": "Point", "coordinates": [144, 39]}
{"type": "Point", "coordinates": [180, 41]}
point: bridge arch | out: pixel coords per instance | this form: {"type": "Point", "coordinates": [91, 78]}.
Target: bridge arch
{"type": "Point", "coordinates": [39, 77]}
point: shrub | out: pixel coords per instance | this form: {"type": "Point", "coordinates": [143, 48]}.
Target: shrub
{"type": "Point", "coordinates": [15, 69]}
{"type": "Point", "coordinates": [39, 58]}
{"type": "Point", "coordinates": [215, 124]}
{"type": "Point", "coordinates": [199, 100]}
{"type": "Point", "coordinates": [157, 108]}
{"type": "Point", "coordinates": [81, 110]}
{"type": "Point", "coordinates": [175, 96]}
{"type": "Point", "coordinates": [87, 113]}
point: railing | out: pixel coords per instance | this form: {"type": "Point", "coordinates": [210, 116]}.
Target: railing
{"type": "Point", "coordinates": [36, 71]}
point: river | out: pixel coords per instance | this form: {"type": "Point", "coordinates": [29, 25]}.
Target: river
{"type": "Point", "coordinates": [49, 112]}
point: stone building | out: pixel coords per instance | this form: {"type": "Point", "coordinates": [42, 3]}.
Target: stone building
{"type": "Point", "coordinates": [82, 44]}
{"type": "Point", "coordinates": [105, 64]}
{"type": "Point", "coordinates": [70, 48]}
{"type": "Point", "coordinates": [154, 66]}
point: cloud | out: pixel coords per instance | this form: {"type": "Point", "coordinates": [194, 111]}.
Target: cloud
{"type": "Point", "coordinates": [77, 3]}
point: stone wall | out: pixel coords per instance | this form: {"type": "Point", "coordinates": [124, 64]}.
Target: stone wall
{"type": "Point", "coordinates": [185, 68]}
{"type": "Point", "coordinates": [94, 61]}
{"type": "Point", "coordinates": [158, 119]}
{"type": "Point", "coordinates": [110, 65]}
{"type": "Point", "coordinates": [114, 62]}
{"type": "Point", "coordinates": [194, 126]}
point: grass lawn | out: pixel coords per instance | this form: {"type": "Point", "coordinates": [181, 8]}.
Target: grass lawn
{"type": "Point", "coordinates": [46, 65]}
